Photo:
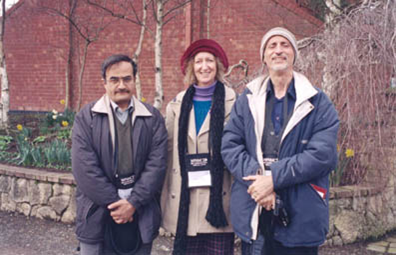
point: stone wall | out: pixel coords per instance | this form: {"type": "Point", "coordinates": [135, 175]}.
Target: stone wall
{"type": "Point", "coordinates": [38, 193]}
{"type": "Point", "coordinates": [356, 213]}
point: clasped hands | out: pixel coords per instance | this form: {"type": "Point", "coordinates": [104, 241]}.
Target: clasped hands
{"type": "Point", "coordinates": [122, 211]}
{"type": "Point", "coordinates": [262, 190]}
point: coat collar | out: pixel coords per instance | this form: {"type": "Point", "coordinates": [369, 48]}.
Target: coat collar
{"type": "Point", "coordinates": [304, 88]}
{"type": "Point", "coordinates": [230, 97]}
{"type": "Point", "coordinates": [103, 106]}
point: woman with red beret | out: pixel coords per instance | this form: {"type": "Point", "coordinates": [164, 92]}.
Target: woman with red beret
{"type": "Point", "coordinates": [196, 193]}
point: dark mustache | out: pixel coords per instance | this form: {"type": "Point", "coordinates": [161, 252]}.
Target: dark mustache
{"type": "Point", "coordinates": [122, 90]}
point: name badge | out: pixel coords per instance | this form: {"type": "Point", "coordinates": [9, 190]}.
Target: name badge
{"type": "Point", "coordinates": [124, 182]}
{"type": "Point", "coordinates": [124, 185]}
{"type": "Point", "coordinates": [268, 161]}
{"type": "Point", "coordinates": [198, 168]}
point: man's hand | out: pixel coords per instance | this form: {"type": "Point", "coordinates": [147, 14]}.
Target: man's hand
{"type": "Point", "coordinates": [122, 211]}
{"type": "Point", "coordinates": [261, 187]}
{"type": "Point", "coordinates": [268, 202]}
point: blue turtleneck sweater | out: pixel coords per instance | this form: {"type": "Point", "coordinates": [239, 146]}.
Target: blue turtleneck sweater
{"type": "Point", "coordinates": [202, 103]}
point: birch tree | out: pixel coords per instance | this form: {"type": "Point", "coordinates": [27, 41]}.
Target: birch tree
{"type": "Point", "coordinates": [163, 11]}
{"type": "Point", "coordinates": [5, 85]}
{"type": "Point", "coordinates": [5, 96]}
{"type": "Point", "coordinates": [125, 10]}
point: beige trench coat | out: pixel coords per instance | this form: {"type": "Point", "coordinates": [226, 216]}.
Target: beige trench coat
{"type": "Point", "coordinates": [199, 197]}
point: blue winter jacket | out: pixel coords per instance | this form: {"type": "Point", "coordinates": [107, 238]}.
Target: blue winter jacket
{"type": "Point", "coordinates": [301, 176]}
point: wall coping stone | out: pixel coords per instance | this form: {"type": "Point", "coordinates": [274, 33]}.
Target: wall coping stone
{"type": "Point", "coordinates": [354, 191]}
{"type": "Point", "coordinates": [67, 178]}
{"type": "Point", "coordinates": [34, 174]}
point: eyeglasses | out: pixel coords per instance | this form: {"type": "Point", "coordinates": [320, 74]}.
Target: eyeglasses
{"type": "Point", "coordinates": [114, 80]}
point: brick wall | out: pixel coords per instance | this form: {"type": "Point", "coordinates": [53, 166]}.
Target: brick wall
{"type": "Point", "coordinates": [37, 47]}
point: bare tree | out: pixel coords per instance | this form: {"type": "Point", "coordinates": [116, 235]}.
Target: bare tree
{"type": "Point", "coordinates": [127, 11]}
{"type": "Point", "coordinates": [88, 24]}
{"type": "Point", "coordinates": [163, 11]}
{"type": "Point", "coordinates": [353, 59]}
{"type": "Point", "coordinates": [137, 53]}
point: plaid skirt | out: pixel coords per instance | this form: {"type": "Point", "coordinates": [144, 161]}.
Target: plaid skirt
{"type": "Point", "coordinates": [211, 244]}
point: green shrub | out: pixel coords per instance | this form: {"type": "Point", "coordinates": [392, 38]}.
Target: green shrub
{"type": "Point", "coordinates": [4, 142]}
{"type": "Point", "coordinates": [57, 153]}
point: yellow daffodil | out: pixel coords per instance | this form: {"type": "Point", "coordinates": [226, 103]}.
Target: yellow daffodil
{"type": "Point", "coordinates": [338, 148]}
{"type": "Point", "coordinates": [62, 102]}
{"type": "Point", "coordinates": [143, 99]}
{"type": "Point", "coordinates": [65, 123]}
{"type": "Point", "coordinates": [349, 153]}
{"type": "Point", "coordinates": [19, 127]}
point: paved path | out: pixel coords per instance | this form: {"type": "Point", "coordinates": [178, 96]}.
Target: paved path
{"type": "Point", "coordinates": [386, 246]}
{"type": "Point", "coordinates": [22, 235]}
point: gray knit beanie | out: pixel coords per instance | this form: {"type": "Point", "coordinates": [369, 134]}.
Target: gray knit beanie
{"type": "Point", "coordinates": [278, 31]}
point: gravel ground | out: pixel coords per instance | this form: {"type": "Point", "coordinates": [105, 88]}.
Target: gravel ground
{"type": "Point", "coordinates": [23, 235]}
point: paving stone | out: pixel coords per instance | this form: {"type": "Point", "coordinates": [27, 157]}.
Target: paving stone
{"type": "Point", "coordinates": [392, 245]}
{"type": "Point", "coordinates": [381, 243]}
{"type": "Point", "coordinates": [376, 248]}
{"type": "Point", "coordinates": [392, 251]}
{"type": "Point", "coordinates": [391, 239]}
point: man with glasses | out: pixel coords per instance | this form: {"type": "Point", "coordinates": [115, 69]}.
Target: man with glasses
{"type": "Point", "coordinates": [119, 148]}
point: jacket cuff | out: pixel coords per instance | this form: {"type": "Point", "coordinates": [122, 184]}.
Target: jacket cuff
{"type": "Point", "coordinates": [134, 202]}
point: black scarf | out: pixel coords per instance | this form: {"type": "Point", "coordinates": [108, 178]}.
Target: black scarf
{"type": "Point", "coordinates": [215, 213]}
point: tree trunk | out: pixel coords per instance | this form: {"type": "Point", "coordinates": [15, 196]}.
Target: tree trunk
{"type": "Point", "coordinates": [83, 65]}
{"type": "Point", "coordinates": [137, 52]}
{"type": "Point", "coordinates": [5, 96]}
{"type": "Point", "coordinates": [158, 101]}
{"type": "Point", "coordinates": [208, 19]}
{"type": "Point", "coordinates": [68, 72]}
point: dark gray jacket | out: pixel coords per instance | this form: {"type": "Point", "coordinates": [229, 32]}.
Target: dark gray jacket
{"type": "Point", "coordinates": [93, 142]}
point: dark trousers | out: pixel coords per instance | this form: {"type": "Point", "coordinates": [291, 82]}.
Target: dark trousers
{"type": "Point", "coordinates": [269, 245]}
{"type": "Point", "coordinates": [99, 248]}
{"type": "Point", "coordinates": [276, 248]}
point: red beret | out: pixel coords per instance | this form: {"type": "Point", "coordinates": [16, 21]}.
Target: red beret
{"type": "Point", "coordinates": [204, 45]}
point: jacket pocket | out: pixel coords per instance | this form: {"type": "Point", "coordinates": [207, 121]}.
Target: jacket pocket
{"type": "Point", "coordinates": [149, 221]}
{"type": "Point", "coordinates": [83, 207]}
{"type": "Point", "coordinates": [90, 220]}
{"type": "Point", "coordinates": [319, 191]}
{"type": "Point", "coordinates": [309, 217]}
